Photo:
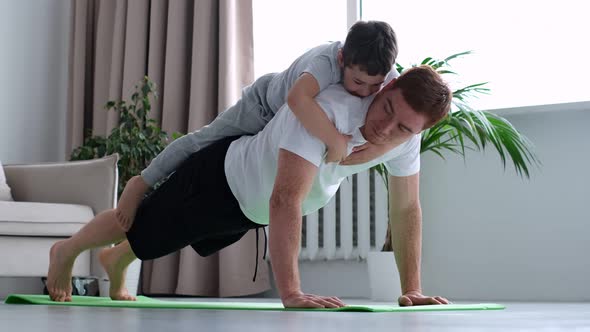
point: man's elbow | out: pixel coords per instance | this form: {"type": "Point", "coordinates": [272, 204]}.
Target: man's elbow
{"type": "Point", "coordinates": [293, 99]}
{"type": "Point", "coordinates": [407, 208]}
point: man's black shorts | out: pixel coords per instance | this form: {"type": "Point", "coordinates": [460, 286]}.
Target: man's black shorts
{"type": "Point", "coordinates": [195, 207]}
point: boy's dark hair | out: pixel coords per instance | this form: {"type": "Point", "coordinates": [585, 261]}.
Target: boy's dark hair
{"type": "Point", "coordinates": [372, 46]}
{"type": "Point", "coordinates": [426, 92]}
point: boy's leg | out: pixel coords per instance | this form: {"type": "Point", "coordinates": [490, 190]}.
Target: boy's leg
{"type": "Point", "coordinates": [247, 117]}
{"type": "Point", "coordinates": [115, 261]}
{"type": "Point", "coordinates": [100, 231]}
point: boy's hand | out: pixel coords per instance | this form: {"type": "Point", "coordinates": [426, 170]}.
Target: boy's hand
{"type": "Point", "coordinates": [132, 195]}
{"type": "Point", "coordinates": [365, 153]}
{"type": "Point", "coordinates": [338, 150]}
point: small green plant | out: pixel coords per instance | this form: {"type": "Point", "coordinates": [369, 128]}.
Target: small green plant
{"type": "Point", "coordinates": [465, 128]}
{"type": "Point", "coordinates": [137, 139]}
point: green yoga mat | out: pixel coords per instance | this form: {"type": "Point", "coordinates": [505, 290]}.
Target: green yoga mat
{"type": "Point", "coordinates": [146, 302]}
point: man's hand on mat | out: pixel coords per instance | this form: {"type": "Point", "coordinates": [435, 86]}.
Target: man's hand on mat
{"type": "Point", "coordinates": [301, 300]}
{"type": "Point", "coordinates": [416, 298]}
{"type": "Point", "coordinates": [132, 195]}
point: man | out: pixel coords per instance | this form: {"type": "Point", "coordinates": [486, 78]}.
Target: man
{"type": "Point", "coordinates": [274, 178]}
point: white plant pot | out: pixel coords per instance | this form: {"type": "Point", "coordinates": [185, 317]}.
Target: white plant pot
{"type": "Point", "coordinates": [103, 287]}
{"type": "Point", "coordinates": [131, 281]}
{"type": "Point", "coordinates": [383, 276]}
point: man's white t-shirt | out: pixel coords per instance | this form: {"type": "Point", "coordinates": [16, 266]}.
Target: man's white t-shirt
{"type": "Point", "coordinates": [251, 161]}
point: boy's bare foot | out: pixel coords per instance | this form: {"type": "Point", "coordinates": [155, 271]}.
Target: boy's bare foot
{"type": "Point", "coordinates": [59, 276]}
{"type": "Point", "coordinates": [116, 269]}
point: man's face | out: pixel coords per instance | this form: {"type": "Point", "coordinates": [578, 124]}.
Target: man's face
{"type": "Point", "coordinates": [358, 83]}
{"type": "Point", "coordinates": [390, 119]}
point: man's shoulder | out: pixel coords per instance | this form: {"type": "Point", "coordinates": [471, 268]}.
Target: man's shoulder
{"type": "Point", "coordinates": [337, 103]}
{"type": "Point", "coordinates": [409, 147]}
{"type": "Point", "coordinates": [336, 93]}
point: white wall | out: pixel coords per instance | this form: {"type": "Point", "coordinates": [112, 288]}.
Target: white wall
{"type": "Point", "coordinates": [490, 235]}
{"type": "Point", "coordinates": [34, 36]}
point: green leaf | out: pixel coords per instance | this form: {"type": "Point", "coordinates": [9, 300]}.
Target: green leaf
{"type": "Point", "coordinates": [176, 135]}
{"type": "Point", "coordinates": [137, 141]}
{"type": "Point", "coordinates": [110, 104]}
{"type": "Point", "coordinates": [467, 129]}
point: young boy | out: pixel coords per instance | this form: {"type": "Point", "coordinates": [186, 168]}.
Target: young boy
{"type": "Point", "coordinates": [360, 65]}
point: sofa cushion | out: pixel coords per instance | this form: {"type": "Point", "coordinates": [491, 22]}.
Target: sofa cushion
{"type": "Point", "coordinates": [42, 219]}
{"type": "Point", "coordinates": [5, 194]}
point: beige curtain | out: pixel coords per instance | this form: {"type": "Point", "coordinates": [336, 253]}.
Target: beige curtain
{"type": "Point", "coordinates": [199, 54]}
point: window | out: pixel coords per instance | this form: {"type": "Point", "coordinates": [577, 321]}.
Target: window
{"type": "Point", "coordinates": [283, 30]}
{"type": "Point", "coordinates": [531, 52]}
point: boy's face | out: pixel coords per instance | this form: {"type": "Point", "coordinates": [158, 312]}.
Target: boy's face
{"type": "Point", "coordinates": [358, 83]}
{"type": "Point", "coordinates": [390, 118]}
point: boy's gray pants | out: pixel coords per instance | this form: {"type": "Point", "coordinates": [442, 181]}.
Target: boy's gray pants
{"type": "Point", "coordinates": [247, 117]}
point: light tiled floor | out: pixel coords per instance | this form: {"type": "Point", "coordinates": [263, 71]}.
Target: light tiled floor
{"type": "Point", "coordinates": [516, 317]}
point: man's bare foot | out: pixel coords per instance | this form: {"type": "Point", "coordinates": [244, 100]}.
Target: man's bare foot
{"type": "Point", "coordinates": [116, 269]}
{"type": "Point", "coordinates": [59, 276]}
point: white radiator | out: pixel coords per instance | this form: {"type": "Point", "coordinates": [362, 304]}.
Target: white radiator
{"type": "Point", "coordinates": [352, 224]}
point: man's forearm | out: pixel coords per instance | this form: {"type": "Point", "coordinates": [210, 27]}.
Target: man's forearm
{"type": "Point", "coordinates": [406, 228]}
{"type": "Point", "coordinates": [285, 237]}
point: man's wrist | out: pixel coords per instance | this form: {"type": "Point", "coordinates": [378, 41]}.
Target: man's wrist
{"type": "Point", "coordinates": [290, 294]}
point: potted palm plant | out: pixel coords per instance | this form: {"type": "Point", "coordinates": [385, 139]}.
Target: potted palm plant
{"type": "Point", "coordinates": [463, 129]}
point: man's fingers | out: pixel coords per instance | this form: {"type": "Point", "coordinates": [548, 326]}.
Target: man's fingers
{"type": "Point", "coordinates": [326, 301]}
{"type": "Point", "coordinates": [313, 301]}
{"type": "Point", "coordinates": [335, 158]}
{"type": "Point", "coordinates": [360, 147]}
{"type": "Point", "coordinates": [350, 160]}
{"type": "Point", "coordinates": [434, 300]}
{"type": "Point", "coordinates": [333, 302]}
{"type": "Point", "coordinates": [405, 301]}
{"type": "Point", "coordinates": [410, 300]}
{"type": "Point", "coordinates": [310, 302]}
{"type": "Point", "coordinates": [331, 159]}
{"type": "Point", "coordinates": [425, 300]}
{"type": "Point", "coordinates": [320, 300]}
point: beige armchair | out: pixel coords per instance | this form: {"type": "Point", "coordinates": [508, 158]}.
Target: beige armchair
{"type": "Point", "coordinates": [51, 202]}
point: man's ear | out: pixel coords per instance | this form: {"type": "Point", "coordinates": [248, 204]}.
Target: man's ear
{"type": "Point", "coordinates": [340, 58]}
